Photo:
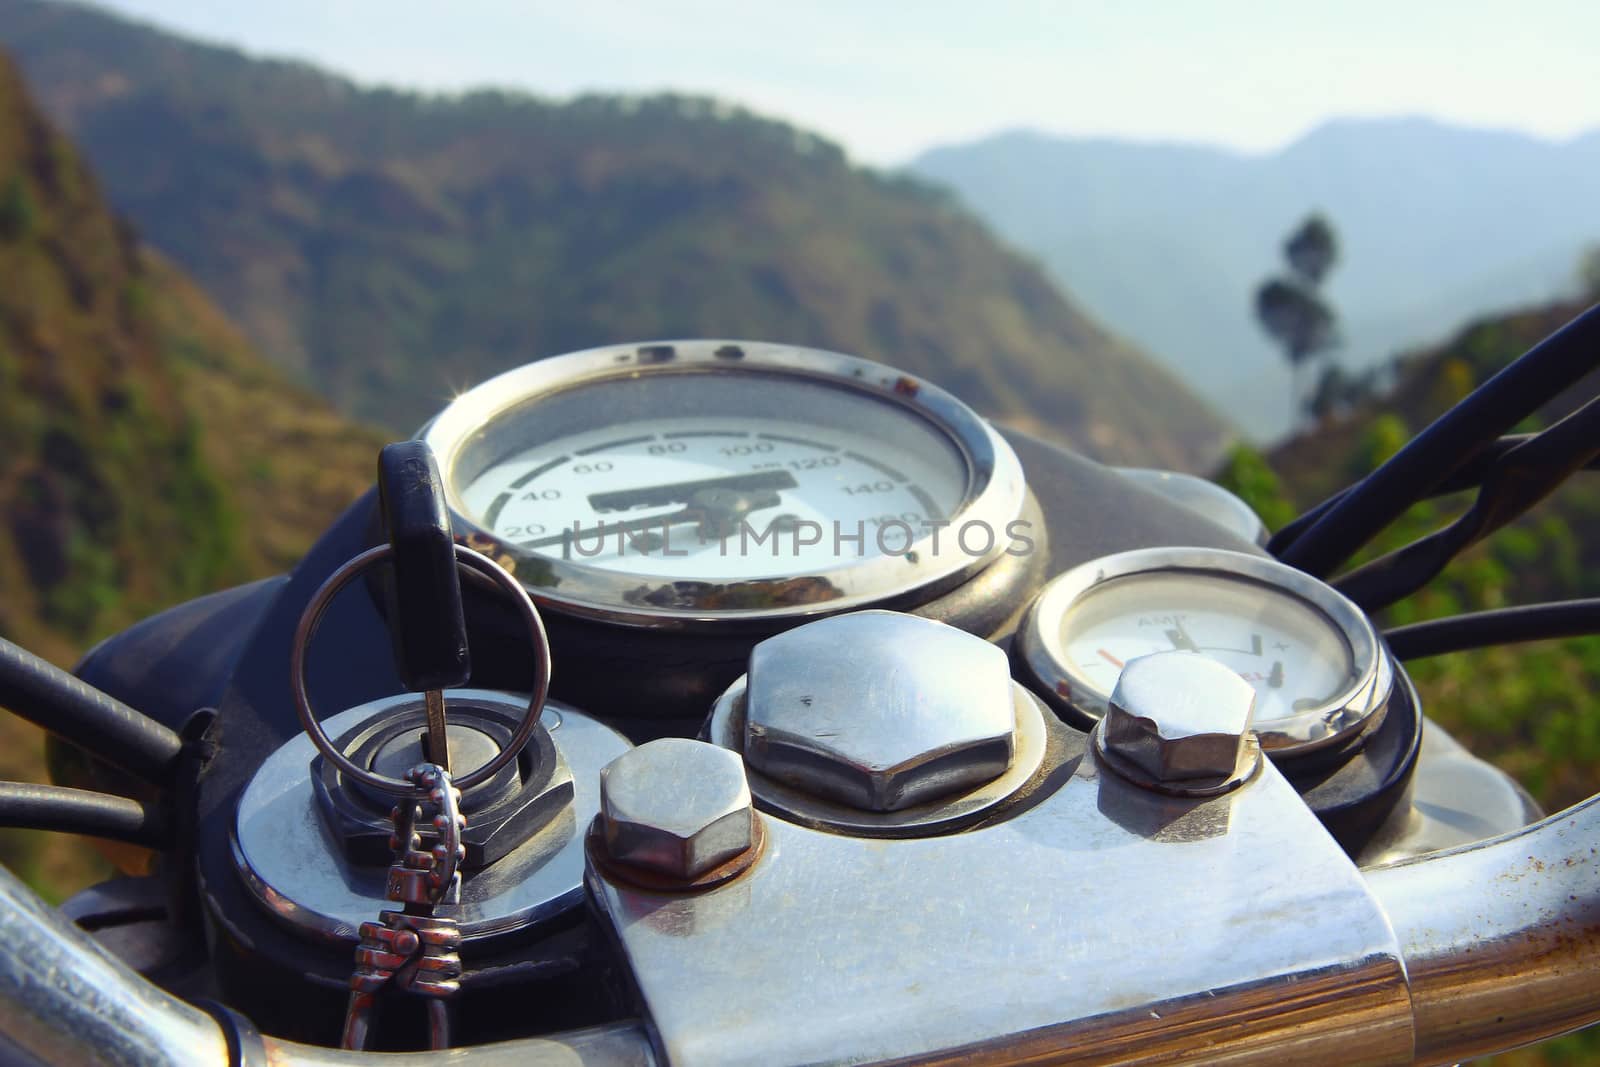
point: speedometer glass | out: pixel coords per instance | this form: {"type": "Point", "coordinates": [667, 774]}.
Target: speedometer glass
{"type": "Point", "coordinates": [1290, 652]}
{"type": "Point", "coordinates": [711, 480]}
{"type": "Point", "coordinates": [676, 488]}
{"type": "Point", "coordinates": [1311, 656]}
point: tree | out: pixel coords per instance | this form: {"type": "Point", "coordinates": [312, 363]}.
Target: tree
{"type": "Point", "coordinates": [1290, 306]}
{"type": "Point", "coordinates": [1589, 273]}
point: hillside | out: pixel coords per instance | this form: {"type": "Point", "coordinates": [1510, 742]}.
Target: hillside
{"type": "Point", "coordinates": [1167, 242]}
{"type": "Point", "coordinates": [1529, 708]}
{"type": "Point", "coordinates": [1532, 709]}
{"type": "Point", "coordinates": [388, 248]}
{"type": "Point", "coordinates": [146, 455]}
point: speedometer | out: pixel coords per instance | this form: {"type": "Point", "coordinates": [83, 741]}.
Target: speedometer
{"type": "Point", "coordinates": [713, 480]}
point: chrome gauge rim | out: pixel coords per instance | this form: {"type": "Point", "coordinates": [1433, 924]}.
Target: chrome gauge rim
{"type": "Point", "coordinates": [1345, 713]}
{"type": "Point", "coordinates": [924, 563]}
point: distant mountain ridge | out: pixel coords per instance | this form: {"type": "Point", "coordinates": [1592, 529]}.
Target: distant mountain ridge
{"type": "Point", "coordinates": [1166, 242]}
{"type": "Point", "coordinates": [390, 247]}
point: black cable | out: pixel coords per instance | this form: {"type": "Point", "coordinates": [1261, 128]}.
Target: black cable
{"type": "Point", "coordinates": [77, 712]}
{"type": "Point", "coordinates": [1447, 445]}
{"type": "Point", "coordinates": [78, 811]}
{"type": "Point", "coordinates": [1520, 479]}
{"type": "Point", "coordinates": [1469, 476]}
{"type": "Point", "coordinates": [1279, 543]}
{"type": "Point", "coordinates": [1474, 471]}
{"type": "Point", "coordinates": [1503, 626]}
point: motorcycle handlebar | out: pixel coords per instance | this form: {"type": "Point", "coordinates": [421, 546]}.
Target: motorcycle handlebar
{"type": "Point", "coordinates": [1498, 940]}
{"type": "Point", "coordinates": [1500, 937]}
{"type": "Point", "coordinates": [65, 1000]}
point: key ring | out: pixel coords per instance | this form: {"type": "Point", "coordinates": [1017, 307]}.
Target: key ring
{"type": "Point", "coordinates": [479, 568]}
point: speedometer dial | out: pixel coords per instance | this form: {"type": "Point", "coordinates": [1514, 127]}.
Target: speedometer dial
{"type": "Point", "coordinates": [714, 492]}
{"type": "Point", "coordinates": [708, 481]}
{"type": "Point", "coordinates": [1312, 657]}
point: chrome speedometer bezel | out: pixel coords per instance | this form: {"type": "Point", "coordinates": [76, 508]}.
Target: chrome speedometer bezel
{"type": "Point", "coordinates": [1355, 708]}
{"type": "Point", "coordinates": [995, 490]}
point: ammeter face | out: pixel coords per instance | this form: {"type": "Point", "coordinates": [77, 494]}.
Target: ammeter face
{"type": "Point", "coordinates": [1294, 655]}
{"type": "Point", "coordinates": [1311, 655]}
{"type": "Point", "coordinates": [704, 480]}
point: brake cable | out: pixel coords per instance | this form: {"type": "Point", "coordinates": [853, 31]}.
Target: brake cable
{"type": "Point", "coordinates": [95, 721]}
{"type": "Point", "coordinates": [1447, 445]}
{"type": "Point", "coordinates": [1522, 477]}
{"type": "Point", "coordinates": [1469, 476]}
{"type": "Point", "coordinates": [1501, 626]}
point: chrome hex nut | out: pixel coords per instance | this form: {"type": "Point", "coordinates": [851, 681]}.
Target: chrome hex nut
{"type": "Point", "coordinates": [1179, 717]}
{"type": "Point", "coordinates": [676, 807]}
{"type": "Point", "coordinates": [879, 711]}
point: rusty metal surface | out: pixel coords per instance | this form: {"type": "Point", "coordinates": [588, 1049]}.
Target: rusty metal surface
{"type": "Point", "coordinates": [1501, 939]}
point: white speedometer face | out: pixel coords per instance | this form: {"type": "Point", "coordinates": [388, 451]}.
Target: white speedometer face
{"type": "Point", "coordinates": [721, 496]}
{"type": "Point", "coordinates": [1314, 660]}
{"type": "Point", "coordinates": [695, 482]}
{"type": "Point", "coordinates": [1290, 652]}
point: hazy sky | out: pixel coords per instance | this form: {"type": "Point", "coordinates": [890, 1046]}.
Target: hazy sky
{"type": "Point", "coordinates": [889, 79]}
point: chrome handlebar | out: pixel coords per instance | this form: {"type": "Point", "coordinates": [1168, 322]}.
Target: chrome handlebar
{"type": "Point", "coordinates": [1501, 939]}
{"type": "Point", "coordinates": [65, 1000]}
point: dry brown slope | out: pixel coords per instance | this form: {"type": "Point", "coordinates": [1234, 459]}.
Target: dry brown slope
{"type": "Point", "coordinates": [146, 454]}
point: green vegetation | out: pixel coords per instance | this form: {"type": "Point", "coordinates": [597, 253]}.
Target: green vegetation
{"type": "Point", "coordinates": [388, 247]}
{"type": "Point", "coordinates": [19, 217]}
{"type": "Point", "coordinates": [1530, 709]}
{"type": "Point", "coordinates": [130, 414]}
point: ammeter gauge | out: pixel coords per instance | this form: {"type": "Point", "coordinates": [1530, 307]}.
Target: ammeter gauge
{"type": "Point", "coordinates": [709, 481]}
{"type": "Point", "coordinates": [1319, 671]}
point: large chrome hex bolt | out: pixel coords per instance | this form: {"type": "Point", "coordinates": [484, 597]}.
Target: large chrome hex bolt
{"type": "Point", "coordinates": [675, 808]}
{"type": "Point", "coordinates": [879, 711]}
{"type": "Point", "coordinates": [1181, 717]}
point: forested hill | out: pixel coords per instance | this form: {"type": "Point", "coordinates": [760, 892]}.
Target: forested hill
{"type": "Point", "coordinates": [146, 454]}
{"type": "Point", "coordinates": [390, 247]}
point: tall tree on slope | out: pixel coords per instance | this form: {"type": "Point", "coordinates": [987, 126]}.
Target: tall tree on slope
{"type": "Point", "coordinates": [1290, 306]}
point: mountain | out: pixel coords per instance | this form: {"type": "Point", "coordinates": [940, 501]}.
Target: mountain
{"type": "Point", "coordinates": [1167, 242]}
{"type": "Point", "coordinates": [147, 455]}
{"type": "Point", "coordinates": [389, 247]}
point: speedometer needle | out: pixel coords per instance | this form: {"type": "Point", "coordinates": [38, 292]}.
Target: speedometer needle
{"type": "Point", "coordinates": [653, 522]}
{"type": "Point", "coordinates": [718, 509]}
{"type": "Point", "coordinates": [655, 496]}
{"type": "Point", "coordinates": [1180, 637]}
